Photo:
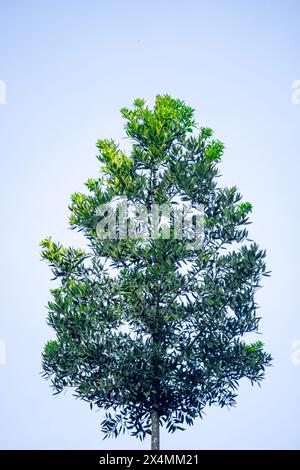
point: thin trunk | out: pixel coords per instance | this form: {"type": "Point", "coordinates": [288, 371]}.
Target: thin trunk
{"type": "Point", "coordinates": [154, 430]}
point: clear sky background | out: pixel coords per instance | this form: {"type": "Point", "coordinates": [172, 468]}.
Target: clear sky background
{"type": "Point", "coordinates": [69, 66]}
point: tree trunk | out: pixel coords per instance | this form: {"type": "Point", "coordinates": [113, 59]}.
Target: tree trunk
{"type": "Point", "coordinates": [154, 430]}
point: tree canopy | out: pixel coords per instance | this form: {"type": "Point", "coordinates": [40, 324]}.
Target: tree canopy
{"type": "Point", "coordinates": [152, 328]}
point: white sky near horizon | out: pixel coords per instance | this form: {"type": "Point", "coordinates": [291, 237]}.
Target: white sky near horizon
{"type": "Point", "coordinates": [68, 67]}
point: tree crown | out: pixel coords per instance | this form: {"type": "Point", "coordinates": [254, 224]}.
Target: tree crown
{"type": "Point", "coordinates": [144, 319]}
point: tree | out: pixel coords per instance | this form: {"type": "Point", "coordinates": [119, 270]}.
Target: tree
{"type": "Point", "coordinates": [150, 326]}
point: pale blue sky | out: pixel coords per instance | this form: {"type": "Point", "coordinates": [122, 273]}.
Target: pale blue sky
{"type": "Point", "coordinates": [69, 66]}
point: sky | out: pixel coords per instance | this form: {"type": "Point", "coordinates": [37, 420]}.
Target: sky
{"type": "Point", "coordinates": [66, 69]}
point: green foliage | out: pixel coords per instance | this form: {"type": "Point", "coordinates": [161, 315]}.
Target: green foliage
{"type": "Point", "coordinates": [152, 337]}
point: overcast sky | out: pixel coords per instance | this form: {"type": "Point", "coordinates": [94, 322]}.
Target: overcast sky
{"type": "Point", "coordinates": [68, 67]}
